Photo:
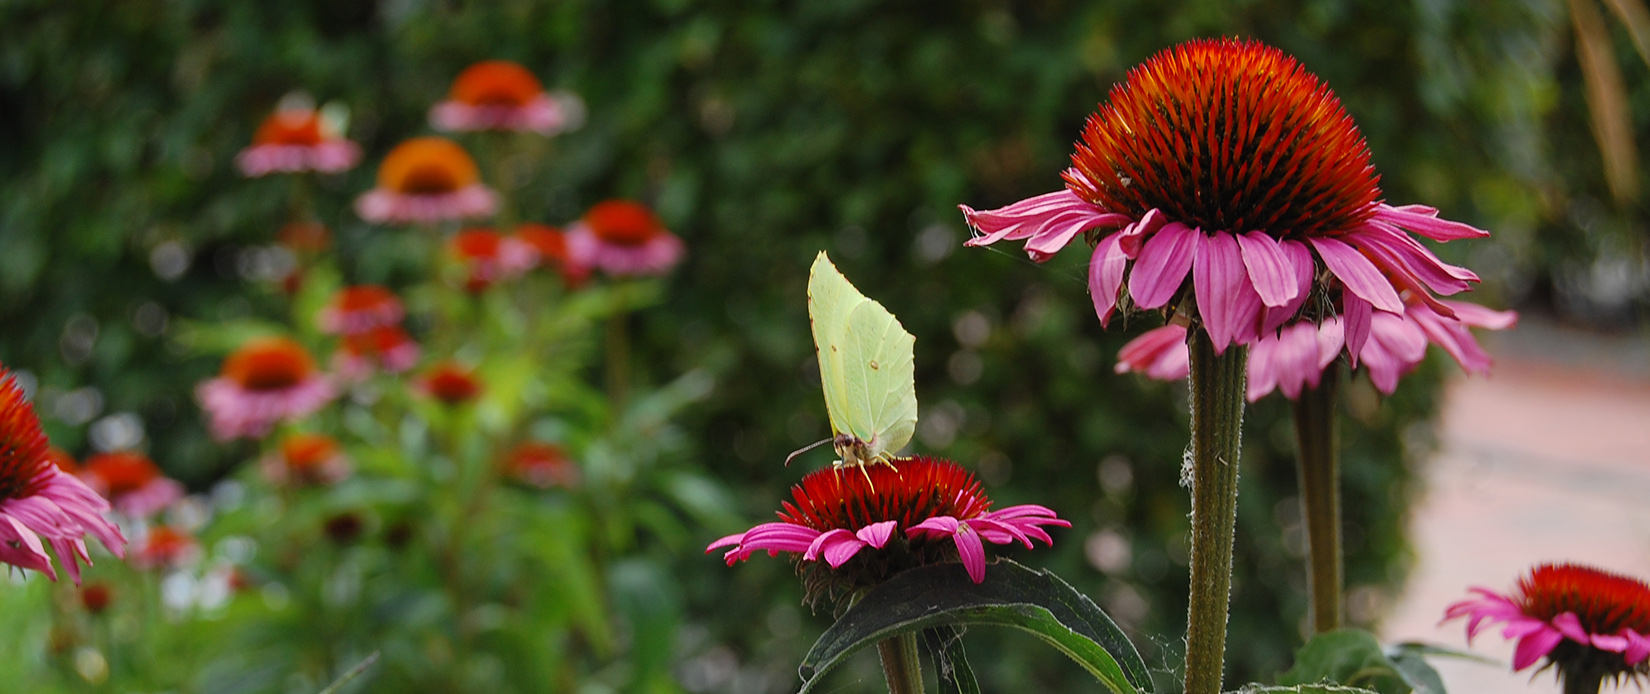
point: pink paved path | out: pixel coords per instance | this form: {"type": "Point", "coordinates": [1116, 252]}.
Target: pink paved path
{"type": "Point", "coordinates": [1548, 459]}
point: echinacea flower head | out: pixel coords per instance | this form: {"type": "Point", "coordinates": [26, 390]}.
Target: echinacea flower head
{"type": "Point", "coordinates": [132, 483]}
{"type": "Point", "coordinates": [1587, 623]}
{"type": "Point", "coordinates": [623, 238]}
{"type": "Point", "coordinates": [40, 504]}
{"type": "Point", "coordinates": [266, 381]}
{"type": "Point", "coordinates": [427, 180]}
{"type": "Point", "coordinates": [306, 460]}
{"type": "Point", "coordinates": [1223, 182]}
{"type": "Point", "coordinates": [550, 246]}
{"type": "Point", "coordinates": [165, 547]}
{"type": "Point", "coordinates": [95, 597]}
{"type": "Point", "coordinates": [502, 95]}
{"type": "Point", "coordinates": [542, 465]}
{"type": "Point", "coordinates": [854, 528]}
{"type": "Point", "coordinates": [359, 309]}
{"type": "Point", "coordinates": [451, 383]}
{"type": "Point", "coordinates": [1295, 356]}
{"type": "Point", "coordinates": [296, 140]}
{"type": "Point", "coordinates": [488, 257]}
{"type": "Point", "coordinates": [386, 347]}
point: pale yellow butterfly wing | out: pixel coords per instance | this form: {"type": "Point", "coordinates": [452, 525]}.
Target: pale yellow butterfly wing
{"type": "Point", "coordinates": [866, 365]}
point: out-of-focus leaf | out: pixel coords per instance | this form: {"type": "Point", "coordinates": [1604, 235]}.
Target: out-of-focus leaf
{"type": "Point", "coordinates": [1606, 100]}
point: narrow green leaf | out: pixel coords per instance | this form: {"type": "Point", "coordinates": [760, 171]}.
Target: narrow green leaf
{"type": "Point", "coordinates": [1011, 595]}
{"type": "Point", "coordinates": [1303, 689]}
{"type": "Point", "coordinates": [950, 661]}
{"type": "Point", "coordinates": [353, 673]}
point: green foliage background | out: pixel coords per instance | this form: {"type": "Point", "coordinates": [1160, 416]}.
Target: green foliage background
{"type": "Point", "coordinates": [763, 132]}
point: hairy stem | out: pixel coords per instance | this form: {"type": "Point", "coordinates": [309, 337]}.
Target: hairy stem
{"type": "Point", "coordinates": [900, 664]}
{"type": "Point", "coordinates": [1318, 462]}
{"type": "Point", "coordinates": [1217, 389]}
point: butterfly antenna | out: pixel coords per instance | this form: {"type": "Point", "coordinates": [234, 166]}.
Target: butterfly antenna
{"type": "Point", "coordinates": [804, 449]}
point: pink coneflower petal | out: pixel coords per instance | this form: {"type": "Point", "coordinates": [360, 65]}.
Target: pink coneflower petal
{"type": "Point", "coordinates": [1535, 645]}
{"type": "Point", "coordinates": [1165, 259]}
{"type": "Point", "coordinates": [1106, 268]}
{"type": "Point", "coordinates": [1358, 274]}
{"type": "Point", "coordinates": [877, 534]}
{"type": "Point", "coordinates": [1301, 264]}
{"type": "Point", "coordinates": [1226, 301]}
{"type": "Point", "coordinates": [1395, 346]}
{"type": "Point", "coordinates": [1159, 353]}
{"type": "Point", "coordinates": [1424, 220]}
{"type": "Point", "coordinates": [1060, 214]}
{"type": "Point", "coordinates": [1638, 647]}
{"type": "Point", "coordinates": [1399, 252]}
{"type": "Point", "coordinates": [1271, 271]}
{"type": "Point", "coordinates": [1356, 315]}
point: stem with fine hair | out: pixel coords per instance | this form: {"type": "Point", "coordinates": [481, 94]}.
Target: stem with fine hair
{"type": "Point", "coordinates": [1217, 390]}
{"type": "Point", "coordinates": [1589, 681]}
{"type": "Point", "coordinates": [1318, 462]}
{"type": "Point", "coordinates": [900, 664]}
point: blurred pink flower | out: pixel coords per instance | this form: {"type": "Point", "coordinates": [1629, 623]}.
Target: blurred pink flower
{"type": "Point", "coordinates": [40, 501]}
{"type": "Point", "coordinates": [386, 347]}
{"type": "Point", "coordinates": [132, 483]}
{"type": "Point", "coordinates": [488, 257]}
{"type": "Point", "coordinates": [306, 460]}
{"type": "Point", "coordinates": [1223, 181]}
{"type": "Point", "coordinates": [295, 140]}
{"type": "Point", "coordinates": [839, 514]}
{"type": "Point", "coordinates": [360, 308]}
{"type": "Point", "coordinates": [623, 238]}
{"type": "Point", "coordinates": [265, 381]}
{"type": "Point", "coordinates": [427, 180]}
{"type": "Point", "coordinates": [501, 95]}
{"type": "Point", "coordinates": [1586, 622]}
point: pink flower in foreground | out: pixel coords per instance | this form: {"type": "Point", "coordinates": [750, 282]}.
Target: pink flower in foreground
{"type": "Point", "coordinates": [867, 525]}
{"type": "Point", "coordinates": [131, 482]}
{"type": "Point", "coordinates": [1590, 624]}
{"type": "Point", "coordinates": [621, 238]}
{"type": "Point", "coordinates": [427, 180]}
{"type": "Point", "coordinates": [501, 95]}
{"type": "Point", "coordinates": [1295, 357]}
{"type": "Point", "coordinates": [265, 381]}
{"type": "Point", "coordinates": [295, 140]}
{"type": "Point", "coordinates": [1224, 182]}
{"type": "Point", "coordinates": [39, 501]}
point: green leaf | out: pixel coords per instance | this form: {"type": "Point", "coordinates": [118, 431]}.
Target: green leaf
{"type": "Point", "coordinates": [1011, 595]}
{"type": "Point", "coordinates": [1410, 659]}
{"type": "Point", "coordinates": [1303, 689]}
{"type": "Point", "coordinates": [950, 661]}
{"type": "Point", "coordinates": [1353, 657]}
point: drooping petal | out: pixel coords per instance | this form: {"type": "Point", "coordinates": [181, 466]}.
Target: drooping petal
{"type": "Point", "coordinates": [1161, 268]}
{"type": "Point", "coordinates": [1359, 275]}
{"type": "Point", "coordinates": [1532, 647]}
{"type": "Point", "coordinates": [1355, 318]}
{"type": "Point", "coordinates": [1424, 220]}
{"type": "Point", "coordinates": [1298, 360]}
{"type": "Point", "coordinates": [1638, 647]}
{"type": "Point", "coordinates": [1106, 268]}
{"type": "Point", "coordinates": [19, 546]}
{"type": "Point", "coordinates": [836, 546]}
{"type": "Point", "coordinates": [1613, 644]}
{"type": "Point", "coordinates": [1270, 271]}
{"type": "Point", "coordinates": [1160, 354]}
{"type": "Point", "coordinates": [1226, 301]}
{"type": "Point", "coordinates": [1568, 624]}
{"type": "Point", "coordinates": [1305, 269]}
{"type": "Point", "coordinates": [1048, 221]}
{"type": "Point", "coordinates": [1481, 317]}
{"type": "Point", "coordinates": [1396, 252]}
{"type": "Point", "coordinates": [877, 534]}
{"type": "Point", "coordinates": [971, 551]}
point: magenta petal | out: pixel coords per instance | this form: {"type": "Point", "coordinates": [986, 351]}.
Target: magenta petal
{"type": "Point", "coordinates": [937, 525]}
{"type": "Point", "coordinates": [1569, 625]}
{"type": "Point", "coordinates": [1226, 301]}
{"type": "Point", "coordinates": [1048, 222]}
{"type": "Point", "coordinates": [1358, 274]}
{"type": "Point", "coordinates": [1532, 647]}
{"type": "Point", "coordinates": [1355, 319]}
{"type": "Point", "coordinates": [1160, 354]}
{"type": "Point", "coordinates": [1297, 358]}
{"type": "Point", "coordinates": [838, 546]}
{"type": "Point", "coordinates": [1613, 644]}
{"type": "Point", "coordinates": [733, 539]}
{"type": "Point", "coordinates": [1305, 270]}
{"type": "Point", "coordinates": [971, 550]}
{"type": "Point", "coordinates": [1162, 266]}
{"type": "Point", "coordinates": [1133, 236]}
{"type": "Point", "coordinates": [1638, 647]}
{"type": "Point", "coordinates": [826, 539]}
{"type": "Point", "coordinates": [1424, 220]}
{"type": "Point", "coordinates": [1480, 317]}
{"type": "Point", "coordinates": [1270, 270]}
{"type": "Point", "coordinates": [877, 534]}
{"type": "Point", "coordinates": [1106, 268]}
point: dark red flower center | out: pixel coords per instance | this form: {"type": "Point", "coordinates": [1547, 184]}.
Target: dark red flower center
{"type": "Point", "coordinates": [427, 166]}
{"type": "Point", "coordinates": [378, 341]}
{"type": "Point", "coordinates": [122, 472]}
{"type": "Point", "coordinates": [22, 443]}
{"type": "Point", "coordinates": [306, 452]}
{"type": "Point", "coordinates": [366, 297]}
{"type": "Point", "coordinates": [269, 364]}
{"type": "Point", "coordinates": [1604, 602]}
{"type": "Point", "coordinates": [910, 491]}
{"type": "Point", "coordinates": [495, 83]}
{"type": "Point", "coordinates": [476, 244]}
{"type": "Point", "coordinates": [1227, 135]}
{"type": "Point", "coordinates": [547, 240]}
{"type": "Point", "coordinates": [295, 127]}
{"type": "Point", "coordinates": [451, 383]}
{"type": "Point", "coordinates": [623, 222]}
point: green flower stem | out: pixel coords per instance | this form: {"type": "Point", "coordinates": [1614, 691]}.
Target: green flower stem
{"type": "Point", "coordinates": [900, 664]}
{"type": "Point", "coordinates": [1217, 389]}
{"type": "Point", "coordinates": [1583, 682]}
{"type": "Point", "coordinates": [618, 360]}
{"type": "Point", "coordinates": [1318, 462]}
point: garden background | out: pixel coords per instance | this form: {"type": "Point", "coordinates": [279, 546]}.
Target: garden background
{"type": "Point", "coordinates": [763, 133]}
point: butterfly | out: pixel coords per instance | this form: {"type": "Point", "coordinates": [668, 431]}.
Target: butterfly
{"type": "Point", "coordinates": [867, 368]}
